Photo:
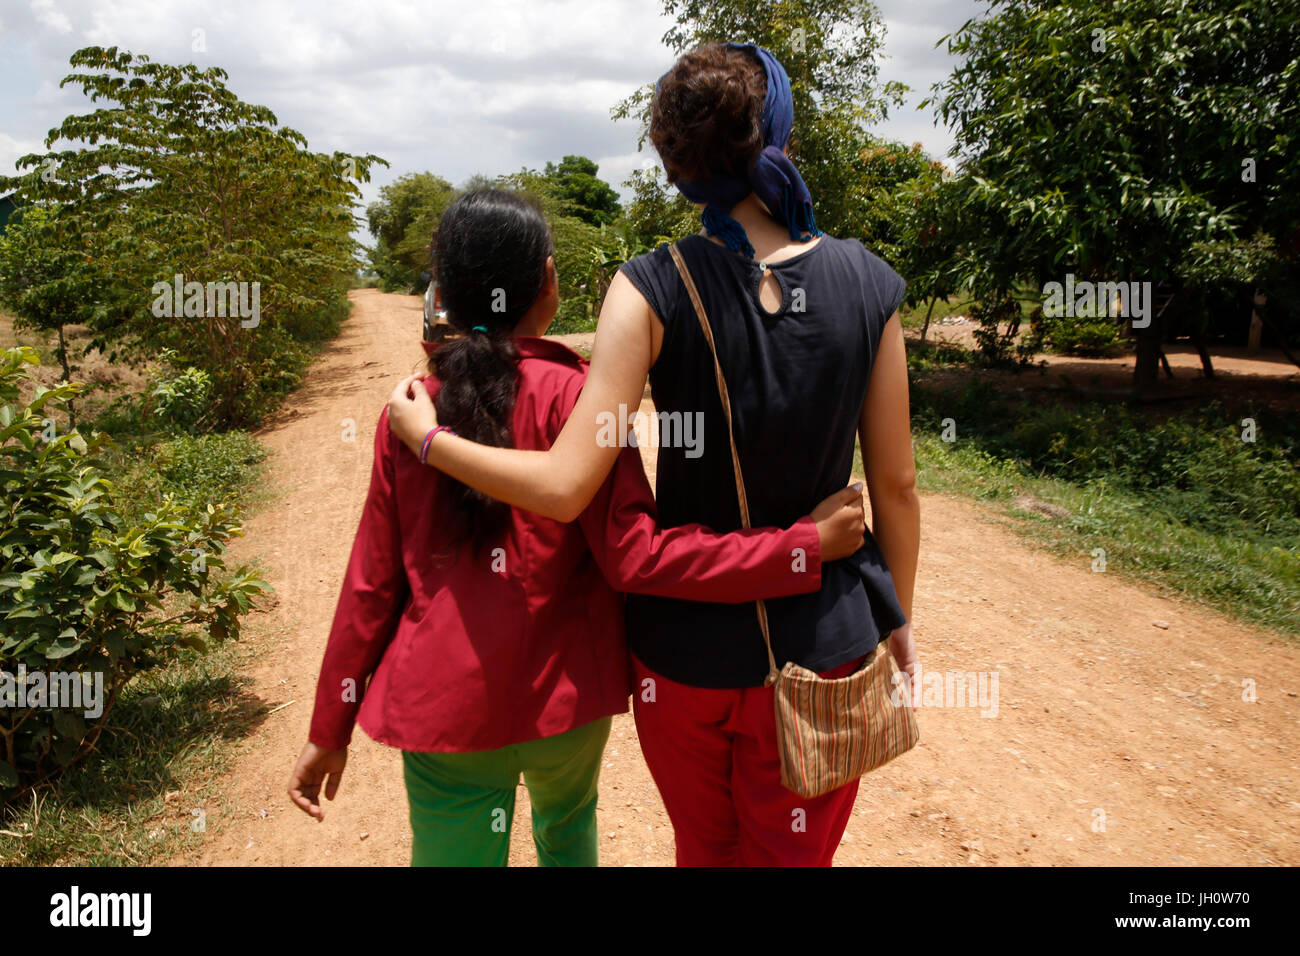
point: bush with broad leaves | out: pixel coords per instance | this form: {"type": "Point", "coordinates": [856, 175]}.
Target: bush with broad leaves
{"type": "Point", "coordinates": [85, 591]}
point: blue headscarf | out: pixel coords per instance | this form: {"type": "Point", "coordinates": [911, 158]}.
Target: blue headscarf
{"type": "Point", "coordinates": [771, 177]}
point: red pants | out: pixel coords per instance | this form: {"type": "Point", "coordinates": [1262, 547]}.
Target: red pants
{"type": "Point", "coordinates": [713, 755]}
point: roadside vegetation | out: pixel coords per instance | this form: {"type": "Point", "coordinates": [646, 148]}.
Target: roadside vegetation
{"type": "Point", "coordinates": [142, 338]}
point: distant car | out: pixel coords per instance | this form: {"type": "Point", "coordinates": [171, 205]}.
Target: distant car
{"type": "Point", "coordinates": [436, 326]}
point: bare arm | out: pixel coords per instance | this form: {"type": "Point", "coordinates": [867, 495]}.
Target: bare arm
{"type": "Point", "coordinates": [885, 430]}
{"type": "Point", "coordinates": [560, 482]}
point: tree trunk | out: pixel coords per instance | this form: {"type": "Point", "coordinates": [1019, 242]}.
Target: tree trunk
{"type": "Point", "coordinates": [1150, 350]}
{"type": "Point", "coordinates": [928, 312]}
{"type": "Point", "coordinates": [67, 376]}
{"type": "Point", "coordinates": [1146, 367]}
{"type": "Point", "coordinates": [1281, 341]}
{"type": "Point", "coordinates": [1255, 336]}
{"type": "Point", "coordinates": [1203, 351]}
{"type": "Point", "coordinates": [63, 355]}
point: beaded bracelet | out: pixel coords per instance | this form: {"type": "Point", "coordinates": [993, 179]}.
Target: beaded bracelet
{"type": "Point", "coordinates": [424, 448]}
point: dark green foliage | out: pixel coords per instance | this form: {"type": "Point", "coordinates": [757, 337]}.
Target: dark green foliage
{"type": "Point", "coordinates": [85, 588]}
{"type": "Point", "coordinates": [1195, 467]}
{"type": "Point", "coordinates": [45, 284]}
{"type": "Point", "coordinates": [582, 251]}
{"type": "Point", "coordinates": [658, 213]}
{"type": "Point", "coordinates": [591, 199]}
{"type": "Point", "coordinates": [402, 222]}
{"type": "Point", "coordinates": [1082, 335]}
{"type": "Point", "coordinates": [1126, 140]}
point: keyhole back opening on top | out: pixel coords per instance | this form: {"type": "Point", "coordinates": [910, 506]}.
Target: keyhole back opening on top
{"type": "Point", "coordinates": [769, 283]}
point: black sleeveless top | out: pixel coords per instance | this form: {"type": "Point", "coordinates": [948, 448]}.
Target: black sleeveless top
{"type": "Point", "coordinates": [797, 380]}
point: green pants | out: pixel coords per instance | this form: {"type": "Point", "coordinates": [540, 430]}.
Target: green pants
{"type": "Point", "coordinates": [463, 804]}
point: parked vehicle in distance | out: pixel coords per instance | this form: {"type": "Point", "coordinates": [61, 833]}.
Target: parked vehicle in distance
{"type": "Point", "coordinates": [436, 326]}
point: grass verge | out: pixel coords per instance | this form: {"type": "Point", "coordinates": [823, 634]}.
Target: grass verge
{"type": "Point", "coordinates": [146, 791]}
{"type": "Point", "coordinates": [1175, 498]}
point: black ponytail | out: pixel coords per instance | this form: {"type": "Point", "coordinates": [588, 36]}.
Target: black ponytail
{"type": "Point", "coordinates": [490, 255]}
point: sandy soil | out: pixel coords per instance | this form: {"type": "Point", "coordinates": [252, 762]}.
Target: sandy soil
{"type": "Point", "coordinates": [1124, 732]}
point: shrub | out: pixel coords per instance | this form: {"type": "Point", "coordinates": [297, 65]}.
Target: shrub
{"type": "Point", "coordinates": [1082, 335]}
{"type": "Point", "coordinates": [1194, 467]}
{"type": "Point", "coordinates": [182, 401]}
{"type": "Point", "coordinates": [86, 591]}
{"type": "Point", "coordinates": [995, 344]}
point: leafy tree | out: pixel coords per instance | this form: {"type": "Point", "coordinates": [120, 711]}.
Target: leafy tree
{"type": "Point", "coordinates": [920, 236]}
{"type": "Point", "coordinates": [582, 211]}
{"type": "Point", "coordinates": [479, 181]}
{"type": "Point", "coordinates": [898, 185]}
{"type": "Point", "coordinates": [576, 243]}
{"type": "Point", "coordinates": [403, 221]}
{"type": "Point", "coordinates": [658, 213]}
{"type": "Point", "coordinates": [888, 168]}
{"type": "Point", "coordinates": [178, 176]}
{"type": "Point", "coordinates": [44, 284]}
{"type": "Point", "coordinates": [592, 200]}
{"type": "Point", "coordinates": [1107, 138]}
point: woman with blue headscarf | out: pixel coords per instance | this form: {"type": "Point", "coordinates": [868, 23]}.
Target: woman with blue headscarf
{"type": "Point", "coordinates": [808, 338]}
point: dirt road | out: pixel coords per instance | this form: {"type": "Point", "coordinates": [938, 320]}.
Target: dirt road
{"type": "Point", "coordinates": [1124, 732]}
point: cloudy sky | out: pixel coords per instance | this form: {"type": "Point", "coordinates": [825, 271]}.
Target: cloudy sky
{"type": "Point", "coordinates": [453, 86]}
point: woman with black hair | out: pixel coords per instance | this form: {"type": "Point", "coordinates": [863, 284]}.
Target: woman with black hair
{"type": "Point", "coordinates": [487, 642]}
{"type": "Point", "coordinates": [811, 347]}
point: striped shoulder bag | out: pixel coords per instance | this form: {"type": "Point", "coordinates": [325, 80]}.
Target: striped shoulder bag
{"type": "Point", "coordinates": [829, 732]}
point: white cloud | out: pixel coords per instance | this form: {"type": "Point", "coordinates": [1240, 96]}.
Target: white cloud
{"type": "Point", "coordinates": [913, 28]}
{"type": "Point", "coordinates": [49, 16]}
{"type": "Point", "coordinates": [11, 149]}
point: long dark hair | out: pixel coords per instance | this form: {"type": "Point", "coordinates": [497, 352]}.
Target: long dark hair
{"type": "Point", "coordinates": [490, 255]}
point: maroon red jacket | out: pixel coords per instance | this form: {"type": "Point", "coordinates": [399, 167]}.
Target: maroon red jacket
{"type": "Point", "coordinates": [526, 639]}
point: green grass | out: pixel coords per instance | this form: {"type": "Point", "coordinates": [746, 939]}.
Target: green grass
{"type": "Point", "coordinates": [174, 730]}
{"type": "Point", "coordinates": [1175, 499]}
{"type": "Point", "coordinates": [163, 756]}
{"type": "Point", "coordinates": [194, 469]}
{"type": "Point", "coordinates": [1253, 580]}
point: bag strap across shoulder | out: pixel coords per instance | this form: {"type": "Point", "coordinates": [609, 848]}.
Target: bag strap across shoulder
{"type": "Point", "coordinates": [731, 434]}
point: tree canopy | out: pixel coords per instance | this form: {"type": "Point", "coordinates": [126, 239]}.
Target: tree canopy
{"type": "Point", "coordinates": [1125, 140]}
{"type": "Point", "coordinates": [591, 199]}
{"type": "Point", "coordinates": [402, 222]}
{"type": "Point", "coordinates": [176, 176]}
